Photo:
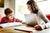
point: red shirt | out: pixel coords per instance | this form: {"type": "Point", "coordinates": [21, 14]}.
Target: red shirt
{"type": "Point", "coordinates": [6, 20]}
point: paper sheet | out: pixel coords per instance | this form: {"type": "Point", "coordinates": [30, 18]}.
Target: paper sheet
{"type": "Point", "coordinates": [10, 24]}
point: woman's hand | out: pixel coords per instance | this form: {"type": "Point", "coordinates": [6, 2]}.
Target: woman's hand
{"type": "Point", "coordinates": [39, 27]}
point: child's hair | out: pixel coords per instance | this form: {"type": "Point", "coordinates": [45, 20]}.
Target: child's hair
{"type": "Point", "coordinates": [34, 6]}
{"type": "Point", "coordinates": [7, 11]}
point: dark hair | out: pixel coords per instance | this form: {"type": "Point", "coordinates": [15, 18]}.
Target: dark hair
{"type": "Point", "coordinates": [7, 11]}
{"type": "Point", "coordinates": [34, 6]}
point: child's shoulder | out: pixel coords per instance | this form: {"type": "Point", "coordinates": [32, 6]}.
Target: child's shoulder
{"type": "Point", "coordinates": [3, 17]}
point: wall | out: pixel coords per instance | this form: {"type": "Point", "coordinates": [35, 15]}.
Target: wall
{"type": "Point", "coordinates": [7, 4]}
{"type": "Point", "coordinates": [12, 5]}
{"type": "Point", "coordinates": [44, 6]}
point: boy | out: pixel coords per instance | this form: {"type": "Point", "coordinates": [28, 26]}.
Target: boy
{"type": "Point", "coordinates": [8, 18]}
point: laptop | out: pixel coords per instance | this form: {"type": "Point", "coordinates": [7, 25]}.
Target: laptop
{"type": "Point", "coordinates": [31, 19]}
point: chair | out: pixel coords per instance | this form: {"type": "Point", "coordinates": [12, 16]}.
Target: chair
{"type": "Point", "coordinates": [0, 17]}
{"type": "Point", "coordinates": [48, 16]}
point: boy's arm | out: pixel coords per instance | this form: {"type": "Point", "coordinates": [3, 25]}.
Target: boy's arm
{"type": "Point", "coordinates": [18, 20]}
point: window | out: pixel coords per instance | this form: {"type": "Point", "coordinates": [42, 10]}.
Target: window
{"type": "Point", "coordinates": [44, 6]}
{"type": "Point", "coordinates": [21, 9]}
{"type": "Point", "coordinates": [40, 0]}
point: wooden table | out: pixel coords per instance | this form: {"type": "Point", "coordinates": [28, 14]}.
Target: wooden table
{"type": "Point", "coordinates": [14, 30]}
{"type": "Point", "coordinates": [10, 30]}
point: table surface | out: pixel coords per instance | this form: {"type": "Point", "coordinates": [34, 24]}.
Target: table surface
{"type": "Point", "coordinates": [11, 30]}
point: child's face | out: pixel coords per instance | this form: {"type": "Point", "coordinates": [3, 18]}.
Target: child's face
{"type": "Point", "coordinates": [10, 16]}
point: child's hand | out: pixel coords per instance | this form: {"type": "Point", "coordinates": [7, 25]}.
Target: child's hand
{"type": "Point", "coordinates": [23, 22]}
{"type": "Point", "coordinates": [20, 20]}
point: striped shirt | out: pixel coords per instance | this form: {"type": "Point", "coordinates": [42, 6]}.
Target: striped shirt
{"type": "Point", "coordinates": [6, 20]}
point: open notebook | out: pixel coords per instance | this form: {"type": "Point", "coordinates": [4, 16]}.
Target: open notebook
{"type": "Point", "coordinates": [11, 24]}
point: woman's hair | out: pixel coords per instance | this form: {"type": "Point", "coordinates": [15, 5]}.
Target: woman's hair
{"type": "Point", "coordinates": [7, 11]}
{"type": "Point", "coordinates": [34, 6]}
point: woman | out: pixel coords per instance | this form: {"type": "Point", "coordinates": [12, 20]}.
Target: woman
{"type": "Point", "coordinates": [32, 6]}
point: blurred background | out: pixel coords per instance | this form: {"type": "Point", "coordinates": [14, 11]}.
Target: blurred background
{"type": "Point", "coordinates": [19, 7]}
{"type": "Point", "coordinates": [7, 4]}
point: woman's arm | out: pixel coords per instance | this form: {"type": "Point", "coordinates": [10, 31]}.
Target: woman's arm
{"type": "Point", "coordinates": [43, 17]}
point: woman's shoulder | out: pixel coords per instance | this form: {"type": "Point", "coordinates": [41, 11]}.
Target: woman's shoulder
{"type": "Point", "coordinates": [40, 12]}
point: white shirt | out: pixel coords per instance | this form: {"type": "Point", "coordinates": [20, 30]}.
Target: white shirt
{"type": "Point", "coordinates": [44, 18]}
